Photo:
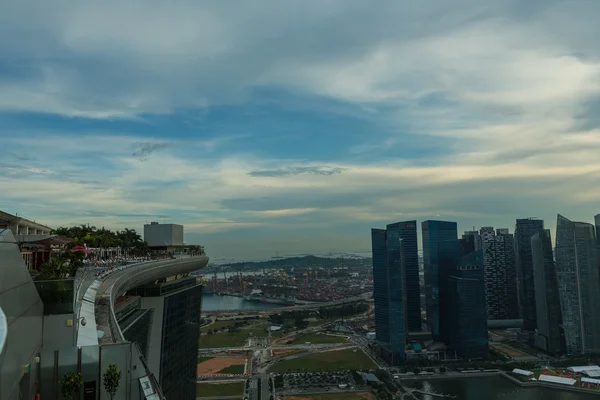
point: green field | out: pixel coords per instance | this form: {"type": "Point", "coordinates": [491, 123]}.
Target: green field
{"type": "Point", "coordinates": [233, 339]}
{"type": "Point", "coordinates": [202, 359]}
{"type": "Point", "coordinates": [233, 369]}
{"type": "Point", "coordinates": [220, 389]}
{"type": "Point", "coordinates": [217, 325]}
{"type": "Point", "coordinates": [326, 361]}
{"type": "Point", "coordinates": [318, 339]}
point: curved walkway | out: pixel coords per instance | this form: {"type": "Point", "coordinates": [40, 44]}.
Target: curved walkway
{"type": "Point", "coordinates": [98, 301]}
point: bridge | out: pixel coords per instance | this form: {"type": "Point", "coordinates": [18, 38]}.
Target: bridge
{"type": "Point", "coordinates": [311, 306]}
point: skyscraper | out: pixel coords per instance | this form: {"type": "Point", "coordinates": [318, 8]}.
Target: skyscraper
{"type": "Point", "coordinates": [397, 292]}
{"type": "Point", "coordinates": [407, 231]}
{"type": "Point", "coordinates": [174, 332]}
{"type": "Point", "coordinates": [381, 296]}
{"type": "Point", "coordinates": [436, 249]}
{"type": "Point", "coordinates": [468, 334]}
{"type": "Point", "coordinates": [578, 285]}
{"type": "Point", "coordinates": [514, 311]}
{"type": "Point", "coordinates": [524, 230]}
{"type": "Point", "coordinates": [500, 273]}
{"type": "Point", "coordinates": [547, 301]}
{"type": "Point", "coordinates": [597, 223]}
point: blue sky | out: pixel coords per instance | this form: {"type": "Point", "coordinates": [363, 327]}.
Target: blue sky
{"type": "Point", "coordinates": [297, 126]}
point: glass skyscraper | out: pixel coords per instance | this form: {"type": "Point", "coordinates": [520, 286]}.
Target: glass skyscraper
{"type": "Point", "coordinates": [396, 292]}
{"type": "Point", "coordinates": [578, 284]}
{"type": "Point", "coordinates": [597, 223]}
{"type": "Point", "coordinates": [407, 231]}
{"type": "Point", "coordinates": [468, 334]}
{"type": "Point", "coordinates": [439, 244]}
{"type": "Point", "coordinates": [381, 296]}
{"type": "Point", "coordinates": [524, 230]}
{"type": "Point", "coordinates": [549, 318]}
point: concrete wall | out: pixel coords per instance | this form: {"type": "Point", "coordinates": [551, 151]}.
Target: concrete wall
{"type": "Point", "coordinates": [56, 333]}
{"type": "Point", "coordinates": [163, 235]}
{"type": "Point", "coordinates": [155, 340]}
{"type": "Point", "coordinates": [23, 309]}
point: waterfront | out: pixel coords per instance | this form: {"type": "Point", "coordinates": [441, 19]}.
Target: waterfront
{"type": "Point", "coordinates": [213, 302]}
{"type": "Point", "coordinates": [491, 388]}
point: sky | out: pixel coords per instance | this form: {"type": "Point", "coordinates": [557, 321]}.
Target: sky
{"type": "Point", "coordinates": [294, 127]}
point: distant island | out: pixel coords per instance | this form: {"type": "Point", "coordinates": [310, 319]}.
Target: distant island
{"type": "Point", "coordinates": [350, 261]}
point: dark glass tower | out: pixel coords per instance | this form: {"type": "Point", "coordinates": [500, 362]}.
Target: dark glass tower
{"type": "Point", "coordinates": [597, 223]}
{"type": "Point", "coordinates": [524, 230]}
{"type": "Point", "coordinates": [397, 292]}
{"type": "Point", "coordinates": [547, 301]}
{"type": "Point", "coordinates": [578, 285]}
{"type": "Point", "coordinates": [468, 334]}
{"type": "Point", "coordinates": [381, 297]}
{"type": "Point", "coordinates": [407, 231]}
{"type": "Point", "coordinates": [173, 337]}
{"type": "Point", "coordinates": [436, 249]}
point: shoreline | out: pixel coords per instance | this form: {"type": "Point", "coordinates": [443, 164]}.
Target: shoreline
{"type": "Point", "coordinates": [512, 379]}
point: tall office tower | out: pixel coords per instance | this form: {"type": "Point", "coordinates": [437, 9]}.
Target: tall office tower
{"type": "Point", "coordinates": [500, 273]}
{"type": "Point", "coordinates": [597, 223]}
{"type": "Point", "coordinates": [496, 293]}
{"type": "Point", "coordinates": [511, 274]}
{"type": "Point", "coordinates": [398, 296]}
{"type": "Point", "coordinates": [436, 249]}
{"type": "Point", "coordinates": [381, 296]}
{"type": "Point", "coordinates": [470, 242]}
{"type": "Point", "coordinates": [578, 285]}
{"type": "Point", "coordinates": [468, 334]}
{"type": "Point", "coordinates": [549, 318]}
{"type": "Point", "coordinates": [173, 336]}
{"type": "Point", "coordinates": [524, 230]}
{"type": "Point", "coordinates": [407, 231]}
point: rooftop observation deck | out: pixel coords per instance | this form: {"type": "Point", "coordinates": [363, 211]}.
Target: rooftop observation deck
{"type": "Point", "coordinates": [98, 302]}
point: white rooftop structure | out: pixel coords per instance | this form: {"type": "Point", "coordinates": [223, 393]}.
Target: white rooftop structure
{"type": "Point", "coordinates": [589, 370]}
{"type": "Point", "coordinates": [557, 379]}
{"type": "Point", "coordinates": [589, 380]}
{"type": "Point", "coordinates": [522, 372]}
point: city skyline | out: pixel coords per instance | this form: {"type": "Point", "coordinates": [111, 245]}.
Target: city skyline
{"type": "Point", "coordinates": [269, 129]}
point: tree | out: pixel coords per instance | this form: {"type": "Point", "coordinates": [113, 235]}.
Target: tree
{"type": "Point", "coordinates": [70, 385]}
{"type": "Point", "coordinates": [300, 323]}
{"type": "Point", "coordinates": [111, 379]}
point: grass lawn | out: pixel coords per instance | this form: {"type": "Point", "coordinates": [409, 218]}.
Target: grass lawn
{"type": "Point", "coordinates": [318, 339]}
{"type": "Point", "coordinates": [220, 389]}
{"type": "Point", "coordinates": [229, 339]}
{"type": "Point", "coordinates": [326, 361]}
{"type": "Point", "coordinates": [217, 325]}
{"type": "Point", "coordinates": [233, 369]}
{"type": "Point", "coordinates": [202, 359]}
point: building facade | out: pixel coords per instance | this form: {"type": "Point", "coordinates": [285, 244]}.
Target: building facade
{"type": "Point", "coordinates": [407, 231]}
{"type": "Point", "coordinates": [525, 229]}
{"type": "Point", "coordinates": [398, 295]}
{"type": "Point", "coordinates": [381, 296]}
{"type": "Point", "coordinates": [468, 334]}
{"type": "Point", "coordinates": [396, 291]}
{"type": "Point", "coordinates": [597, 223]}
{"type": "Point", "coordinates": [548, 312]}
{"type": "Point", "coordinates": [579, 285]}
{"type": "Point", "coordinates": [163, 235]}
{"type": "Point", "coordinates": [435, 236]}
{"type": "Point", "coordinates": [175, 329]}
{"type": "Point", "coordinates": [500, 273]}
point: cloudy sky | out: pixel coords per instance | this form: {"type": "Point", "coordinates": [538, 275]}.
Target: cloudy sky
{"type": "Point", "coordinates": [296, 126]}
